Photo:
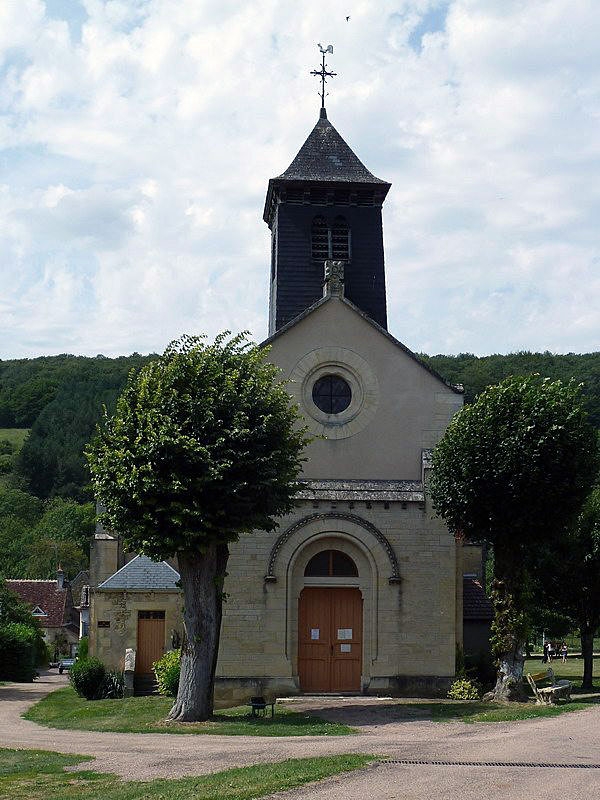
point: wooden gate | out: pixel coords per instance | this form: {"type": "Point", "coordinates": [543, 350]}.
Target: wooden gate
{"type": "Point", "coordinates": [330, 640]}
{"type": "Point", "coordinates": [150, 640]}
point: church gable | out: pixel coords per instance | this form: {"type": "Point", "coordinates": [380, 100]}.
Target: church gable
{"type": "Point", "coordinates": [375, 403]}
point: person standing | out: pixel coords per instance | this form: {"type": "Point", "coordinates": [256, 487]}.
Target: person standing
{"type": "Point", "coordinates": [563, 652]}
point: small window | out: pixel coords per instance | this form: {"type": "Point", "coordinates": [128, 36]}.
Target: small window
{"type": "Point", "coordinates": [331, 394]}
{"type": "Point", "coordinates": [38, 612]}
{"type": "Point", "coordinates": [321, 248]}
{"type": "Point", "coordinates": [331, 564]}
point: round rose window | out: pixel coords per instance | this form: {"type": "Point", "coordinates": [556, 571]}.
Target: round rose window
{"type": "Point", "coordinates": [331, 394]}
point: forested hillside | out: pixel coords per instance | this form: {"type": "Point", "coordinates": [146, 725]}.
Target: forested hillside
{"type": "Point", "coordinates": [60, 398]}
{"type": "Point", "coordinates": [477, 372]}
{"type": "Point", "coordinates": [46, 510]}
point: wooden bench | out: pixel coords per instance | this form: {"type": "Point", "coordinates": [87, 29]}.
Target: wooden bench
{"type": "Point", "coordinates": [548, 695]}
{"type": "Point", "coordinates": [259, 706]}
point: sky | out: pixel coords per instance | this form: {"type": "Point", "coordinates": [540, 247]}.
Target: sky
{"type": "Point", "coordinates": [137, 138]}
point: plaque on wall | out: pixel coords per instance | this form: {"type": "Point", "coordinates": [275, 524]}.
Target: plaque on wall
{"type": "Point", "coordinates": [103, 623]}
{"type": "Point", "coordinates": [344, 633]}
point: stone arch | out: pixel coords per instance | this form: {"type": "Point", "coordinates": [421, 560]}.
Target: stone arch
{"type": "Point", "coordinates": [283, 538]}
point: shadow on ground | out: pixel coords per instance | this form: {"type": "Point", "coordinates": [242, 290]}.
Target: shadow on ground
{"type": "Point", "coordinates": [363, 715]}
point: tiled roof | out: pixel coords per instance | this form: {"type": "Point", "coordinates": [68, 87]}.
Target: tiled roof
{"type": "Point", "coordinates": [143, 574]}
{"type": "Point", "coordinates": [476, 605]}
{"type": "Point", "coordinates": [57, 604]}
{"type": "Point", "coordinates": [325, 156]}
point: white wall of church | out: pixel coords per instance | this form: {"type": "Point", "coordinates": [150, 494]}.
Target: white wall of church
{"type": "Point", "coordinates": [406, 407]}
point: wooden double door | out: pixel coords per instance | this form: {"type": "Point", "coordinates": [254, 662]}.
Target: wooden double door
{"type": "Point", "coordinates": [330, 640]}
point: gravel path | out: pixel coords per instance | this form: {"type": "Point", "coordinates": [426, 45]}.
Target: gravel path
{"type": "Point", "coordinates": [385, 729]}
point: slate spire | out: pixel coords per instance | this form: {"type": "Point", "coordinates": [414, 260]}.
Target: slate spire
{"type": "Point", "coordinates": [325, 156]}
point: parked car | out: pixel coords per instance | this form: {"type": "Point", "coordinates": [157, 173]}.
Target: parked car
{"type": "Point", "coordinates": [65, 664]}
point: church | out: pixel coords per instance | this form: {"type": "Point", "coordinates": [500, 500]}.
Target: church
{"type": "Point", "coordinates": [360, 590]}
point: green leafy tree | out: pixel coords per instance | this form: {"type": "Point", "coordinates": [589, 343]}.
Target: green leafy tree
{"type": "Point", "coordinates": [13, 611]}
{"type": "Point", "coordinates": [67, 521]}
{"type": "Point", "coordinates": [513, 468]}
{"type": "Point", "coordinates": [204, 446]}
{"type": "Point", "coordinates": [568, 583]}
{"type": "Point", "coordinates": [45, 556]}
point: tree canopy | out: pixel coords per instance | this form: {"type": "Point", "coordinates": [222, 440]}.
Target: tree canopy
{"type": "Point", "coordinates": [568, 578]}
{"type": "Point", "coordinates": [513, 468]}
{"type": "Point", "coordinates": [515, 464]}
{"type": "Point", "coordinates": [204, 445]}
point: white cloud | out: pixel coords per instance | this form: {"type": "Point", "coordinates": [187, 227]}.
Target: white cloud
{"type": "Point", "coordinates": [139, 137]}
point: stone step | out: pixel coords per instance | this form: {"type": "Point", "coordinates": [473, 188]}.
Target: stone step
{"type": "Point", "coordinates": [144, 685]}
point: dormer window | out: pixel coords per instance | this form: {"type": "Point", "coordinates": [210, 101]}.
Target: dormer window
{"type": "Point", "coordinates": [330, 240]}
{"type": "Point", "coordinates": [38, 612]}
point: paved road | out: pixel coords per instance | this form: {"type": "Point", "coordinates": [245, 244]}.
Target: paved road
{"type": "Point", "coordinates": [385, 729]}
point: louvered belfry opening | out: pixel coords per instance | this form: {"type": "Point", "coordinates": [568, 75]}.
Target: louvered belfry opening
{"type": "Point", "coordinates": [320, 239]}
{"type": "Point", "coordinates": [330, 240]}
{"type": "Point", "coordinates": [325, 205]}
{"type": "Point", "coordinates": [340, 239]}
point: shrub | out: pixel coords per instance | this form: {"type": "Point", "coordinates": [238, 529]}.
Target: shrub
{"type": "Point", "coordinates": [18, 645]}
{"type": "Point", "coordinates": [464, 689]}
{"type": "Point", "coordinates": [42, 652]}
{"type": "Point", "coordinates": [166, 670]}
{"type": "Point", "coordinates": [113, 686]}
{"type": "Point", "coordinates": [87, 677]}
{"type": "Point", "coordinates": [83, 648]}
{"type": "Point", "coordinates": [7, 448]}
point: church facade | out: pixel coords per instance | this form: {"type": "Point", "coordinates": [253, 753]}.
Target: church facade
{"type": "Point", "coordinates": [361, 587]}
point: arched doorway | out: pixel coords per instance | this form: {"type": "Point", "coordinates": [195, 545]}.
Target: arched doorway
{"type": "Point", "coordinates": [330, 627]}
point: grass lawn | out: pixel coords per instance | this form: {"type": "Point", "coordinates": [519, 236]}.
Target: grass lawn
{"type": "Point", "coordinates": [64, 709]}
{"type": "Point", "coordinates": [571, 669]}
{"type": "Point", "coordinates": [39, 775]}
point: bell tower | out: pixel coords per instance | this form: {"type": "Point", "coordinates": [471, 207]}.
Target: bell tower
{"type": "Point", "coordinates": [326, 205]}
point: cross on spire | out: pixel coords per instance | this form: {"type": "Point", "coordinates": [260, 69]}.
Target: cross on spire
{"type": "Point", "coordinates": [324, 73]}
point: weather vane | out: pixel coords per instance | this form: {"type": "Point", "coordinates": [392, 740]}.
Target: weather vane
{"type": "Point", "coordinates": [324, 73]}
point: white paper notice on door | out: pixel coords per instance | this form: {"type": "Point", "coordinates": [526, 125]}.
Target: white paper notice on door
{"type": "Point", "coordinates": [344, 633]}
{"type": "Point", "coordinates": [315, 633]}
{"type": "Point", "coordinates": [345, 648]}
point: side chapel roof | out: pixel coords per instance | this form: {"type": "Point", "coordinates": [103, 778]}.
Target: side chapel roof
{"type": "Point", "coordinates": [141, 573]}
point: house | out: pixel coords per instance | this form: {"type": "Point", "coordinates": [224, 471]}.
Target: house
{"type": "Point", "coordinates": [52, 606]}
{"type": "Point", "coordinates": [360, 590]}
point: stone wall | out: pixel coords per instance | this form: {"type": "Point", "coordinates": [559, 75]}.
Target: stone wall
{"type": "Point", "coordinates": [120, 611]}
{"type": "Point", "coordinates": [409, 629]}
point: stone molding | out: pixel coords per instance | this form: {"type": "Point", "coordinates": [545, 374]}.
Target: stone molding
{"type": "Point", "coordinates": [281, 540]}
{"type": "Point", "coordinates": [356, 371]}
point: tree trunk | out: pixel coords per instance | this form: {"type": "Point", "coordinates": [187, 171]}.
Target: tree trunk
{"type": "Point", "coordinates": [509, 635]}
{"type": "Point", "coordinates": [509, 682]}
{"type": "Point", "coordinates": [587, 651]}
{"type": "Point", "coordinates": [202, 576]}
